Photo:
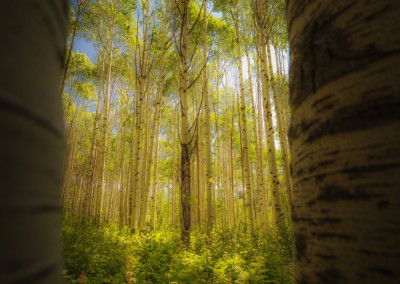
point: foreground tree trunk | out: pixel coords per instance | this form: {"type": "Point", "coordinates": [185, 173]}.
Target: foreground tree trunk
{"type": "Point", "coordinates": [32, 139]}
{"type": "Point", "coordinates": [345, 140]}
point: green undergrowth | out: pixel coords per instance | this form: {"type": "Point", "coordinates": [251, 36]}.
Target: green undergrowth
{"type": "Point", "coordinates": [111, 254]}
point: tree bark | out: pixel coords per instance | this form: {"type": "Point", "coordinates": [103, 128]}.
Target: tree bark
{"type": "Point", "coordinates": [345, 140]}
{"type": "Point", "coordinates": [32, 139]}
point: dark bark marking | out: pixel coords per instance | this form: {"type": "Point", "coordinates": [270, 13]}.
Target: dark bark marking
{"type": "Point", "coordinates": [321, 164]}
{"type": "Point", "coordinates": [330, 235]}
{"type": "Point", "coordinates": [40, 275]}
{"type": "Point", "coordinates": [28, 115]}
{"type": "Point", "coordinates": [335, 152]}
{"type": "Point", "coordinates": [328, 54]}
{"type": "Point", "coordinates": [322, 100]}
{"type": "Point", "coordinates": [317, 221]}
{"type": "Point", "coordinates": [333, 193]}
{"type": "Point", "coordinates": [368, 114]}
{"type": "Point", "coordinates": [320, 178]}
{"type": "Point", "coordinates": [383, 204]}
{"type": "Point", "coordinates": [303, 279]}
{"type": "Point", "coordinates": [326, 256]}
{"type": "Point", "coordinates": [326, 107]}
{"type": "Point", "coordinates": [311, 203]}
{"type": "Point", "coordinates": [381, 270]}
{"type": "Point", "coordinates": [324, 46]}
{"type": "Point", "coordinates": [56, 24]}
{"type": "Point", "coordinates": [301, 246]}
{"type": "Point", "coordinates": [370, 169]}
{"type": "Point", "coordinates": [330, 275]}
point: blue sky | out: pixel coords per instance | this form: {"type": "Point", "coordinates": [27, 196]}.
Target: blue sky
{"type": "Point", "coordinates": [86, 47]}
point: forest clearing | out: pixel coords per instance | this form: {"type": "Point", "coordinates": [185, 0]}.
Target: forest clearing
{"type": "Point", "coordinates": [183, 141]}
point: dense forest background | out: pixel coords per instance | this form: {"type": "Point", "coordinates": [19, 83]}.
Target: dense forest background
{"type": "Point", "coordinates": [177, 165]}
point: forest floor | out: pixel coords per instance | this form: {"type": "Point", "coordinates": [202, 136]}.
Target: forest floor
{"type": "Point", "coordinates": [110, 254]}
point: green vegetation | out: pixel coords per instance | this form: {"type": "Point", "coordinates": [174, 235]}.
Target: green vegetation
{"type": "Point", "coordinates": [110, 254]}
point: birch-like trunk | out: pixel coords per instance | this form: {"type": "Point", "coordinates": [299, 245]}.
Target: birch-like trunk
{"type": "Point", "coordinates": [345, 140]}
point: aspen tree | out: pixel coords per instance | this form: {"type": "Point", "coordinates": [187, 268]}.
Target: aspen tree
{"type": "Point", "coordinates": [87, 201]}
{"type": "Point", "coordinates": [259, 153]}
{"type": "Point", "coordinates": [207, 127]}
{"type": "Point", "coordinates": [142, 75]}
{"type": "Point", "coordinates": [185, 131]}
{"type": "Point", "coordinates": [282, 134]}
{"type": "Point", "coordinates": [81, 6]}
{"type": "Point", "coordinates": [264, 195]}
{"type": "Point", "coordinates": [246, 158]}
{"type": "Point", "coordinates": [155, 171]}
{"type": "Point", "coordinates": [277, 215]}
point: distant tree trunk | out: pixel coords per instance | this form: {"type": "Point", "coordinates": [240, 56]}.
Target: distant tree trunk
{"type": "Point", "coordinates": [81, 6]}
{"type": "Point", "coordinates": [87, 200]}
{"type": "Point", "coordinates": [207, 128]}
{"type": "Point", "coordinates": [185, 131]}
{"type": "Point", "coordinates": [277, 214]}
{"type": "Point", "coordinates": [259, 156]}
{"type": "Point", "coordinates": [199, 157]}
{"type": "Point", "coordinates": [281, 132]}
{"type": "Point", "coordinates": [142, 75]}
{"type": "Point", "coordinates": [264, 192]}
{"type": "Point", "coordinates": [104, 137]}
{"type": "Point", "coordinates": [155, 171]}
{"type": "Point", "coordinates": [345, 140]}
{"type": "Point", "coordinates": [246, 157]}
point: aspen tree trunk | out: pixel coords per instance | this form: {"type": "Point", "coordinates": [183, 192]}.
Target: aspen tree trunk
{"type": "Point", "coordinates": [230, 151]}
{"type": "Point", "coordinates": [108, 176]}
{"type": "Point", "coordinates": [199, 168]}
{"type": "Point", "coordinates": [32, 137]}
{"type": "Point", "coordinates": [281, 94]}
{"type": "Point", "coordinates": [219, 166]}
{"type": "Point", "coordinates": [143, 193]}
{"type": "Point", "coordinates": [244, 192]}
{"type": "Point", "coordinates": [345, 140]}
{"type": "Point", "coordinates": [260, 156]}
{"type": "Point", "coordinates": [185, 155]}
{"type": "Point", "coordinates": [228, 164]}
{"type": "Point", "coordinates": [146, 165]}
{"type": "Point", "coordinates": [117, 159]}
{"type": "Point", "coordinates": [135, 189]}
{"type": "Point", "coordinates": [154, 188]}
{"type": "Point", "coordinates": [207, 128]}
{"type": "Point", "coordinates": [104, 138]}
{"type": "Point", "coordinates": [121, 163]}
{"type": "Point", "coordinates": [246, 158]}
{"type": "Point", "coordinates": [157, 116]}
{"type": "Point", "coordinates": [237, 197]}
{"type": "Point", "coordinates": [87, 201]}
{"type": "Point", "coordinates": [282, 134]}
{"type": "Point", "coordinates": [264, 194]}
{"type": "Point", "coordinates": [155, 125]}
{"type": "Point", "coordinates": [160, 206]}
{"type": "Point", "coordinates": [174, 175]}
{"type": "Point", "coordinates": [277, 214]}
{"type": "Point", "coordinates": [68, 167]}
{"type": "Point", "coordinates": [132, 194]}
{"type": "Point", "coordinates": [81, 6]}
